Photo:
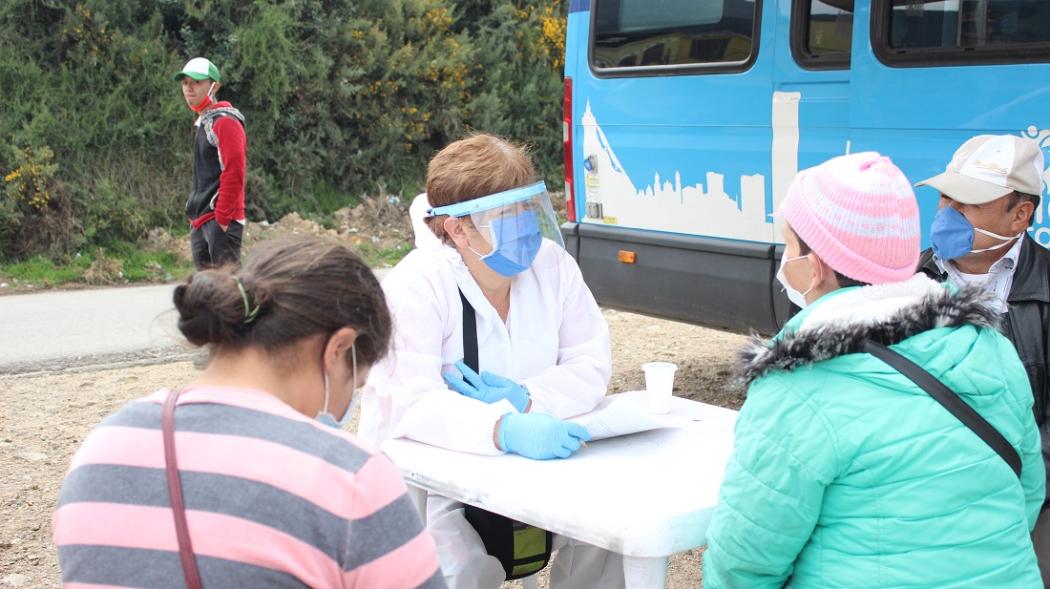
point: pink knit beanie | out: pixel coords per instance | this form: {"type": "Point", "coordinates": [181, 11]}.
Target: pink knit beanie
{"type": "Point", "coordinates": [857, 213]}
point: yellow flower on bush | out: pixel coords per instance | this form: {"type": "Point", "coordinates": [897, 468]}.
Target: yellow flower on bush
{"type": "Point", "coordinates": [29, 183]}
{"type": "Point", "coordinates": [553, 32]}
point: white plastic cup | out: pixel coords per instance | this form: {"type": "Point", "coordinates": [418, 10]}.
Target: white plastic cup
{"type": "Point", "coordinates": [659, 381]}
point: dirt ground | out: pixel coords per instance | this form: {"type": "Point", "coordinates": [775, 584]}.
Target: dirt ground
{"type": "Point", "coordinates": [43, 419]}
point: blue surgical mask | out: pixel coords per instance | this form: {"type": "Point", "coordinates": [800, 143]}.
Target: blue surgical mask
{"type": "Point", "coordinates": [952, 235]}
{"type": "Point", "coordinates": [326, 418]}
{"type": "Point", "coordinates": [516, 241]}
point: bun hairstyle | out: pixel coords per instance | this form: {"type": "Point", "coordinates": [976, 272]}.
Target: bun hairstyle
{"type": "Point", "coordinates": [286, 291]}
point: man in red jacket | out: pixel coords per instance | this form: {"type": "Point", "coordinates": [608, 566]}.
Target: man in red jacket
{"type": "Point", "coordinates": [215, 207]}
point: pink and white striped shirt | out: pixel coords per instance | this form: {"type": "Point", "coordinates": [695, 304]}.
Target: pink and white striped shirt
{"type": "Point", "coordinates": [273, 499]}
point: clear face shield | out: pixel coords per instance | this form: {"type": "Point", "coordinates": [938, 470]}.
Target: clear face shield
{"type": "Point", "coordinates": [513, 222]}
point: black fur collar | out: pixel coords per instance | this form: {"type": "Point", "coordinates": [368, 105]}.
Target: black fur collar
{"type": "Point", "coordinates": [932, 309]}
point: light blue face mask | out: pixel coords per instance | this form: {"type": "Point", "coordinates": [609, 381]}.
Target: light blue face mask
{"type": "Point", "coordinates": [326, 418]}
{"type": "Point", "coordinates": [951, 235]}
{"type": "Point", "coordinates": [518, 238]}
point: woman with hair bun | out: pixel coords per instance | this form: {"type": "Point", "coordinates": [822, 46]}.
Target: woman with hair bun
{"type": "Point", "coordinates": [237, 480]}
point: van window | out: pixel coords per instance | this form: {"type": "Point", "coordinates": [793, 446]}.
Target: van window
{"type": "Point", "coordinates": [654, 33]}
{"type": "Point", "coordinates": [970, 31]}
{"type": "Point", "coordinates": [822, 33]}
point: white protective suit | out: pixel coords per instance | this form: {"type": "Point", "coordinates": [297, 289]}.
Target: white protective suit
{"type": "Point", "coordinates": [555, 342]}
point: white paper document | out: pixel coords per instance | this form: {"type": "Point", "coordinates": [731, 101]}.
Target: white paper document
{"type": "Point", "coordinates": [623, 414]}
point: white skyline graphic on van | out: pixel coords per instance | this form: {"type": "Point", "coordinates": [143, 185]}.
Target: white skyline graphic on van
{"type": "Point", "coordinates": [665, 204]}
{"type": "Point", "coordinates": [1040, 232]}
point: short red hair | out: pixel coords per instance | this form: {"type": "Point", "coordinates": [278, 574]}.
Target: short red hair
{"type": "Point", "coordinates": [474, 167]}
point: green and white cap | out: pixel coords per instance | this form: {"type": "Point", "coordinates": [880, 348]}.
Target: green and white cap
{"type": "Point", "coordinates": [199, 68]}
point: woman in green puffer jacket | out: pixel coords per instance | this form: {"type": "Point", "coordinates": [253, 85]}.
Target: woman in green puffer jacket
{"type": "Point", "coordinates": [844, 473]}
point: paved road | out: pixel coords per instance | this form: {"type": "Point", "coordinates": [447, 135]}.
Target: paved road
{"type": "Point", "coordinates": [67, 329]}
{"type": "Point", "coordinates": [59, 329]}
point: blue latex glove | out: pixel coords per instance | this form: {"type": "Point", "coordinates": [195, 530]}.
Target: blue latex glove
{"type": "Point", "coordinates": [539, 436]}
{"type": "Point", "coordinates": [487, 387]}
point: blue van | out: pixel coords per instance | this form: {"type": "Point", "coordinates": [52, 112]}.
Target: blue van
{"type": "Point", "coordinates": [686, 120]}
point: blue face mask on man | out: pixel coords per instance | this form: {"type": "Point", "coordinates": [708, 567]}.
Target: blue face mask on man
{"type": "Point", "coordinates": [516, 241]}
{"type": "Point", "coordinates": [951, 235]}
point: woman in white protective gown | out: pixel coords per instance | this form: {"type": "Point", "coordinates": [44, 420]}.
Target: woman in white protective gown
{"type": "Point", "coordinates": [487, 239]}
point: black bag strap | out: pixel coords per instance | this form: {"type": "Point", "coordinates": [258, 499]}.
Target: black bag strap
{"type": "Point", "coordinates": [470, 333]}
{"type": "Point", "coordinates": [950, 400]}
{"type": "Point", "coordinates": [521, 549]}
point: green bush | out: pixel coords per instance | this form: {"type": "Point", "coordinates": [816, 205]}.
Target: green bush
{"type": "Point", "coordinates": [342, 98]}
{"type": "Point", "coordinates": [38, 216]}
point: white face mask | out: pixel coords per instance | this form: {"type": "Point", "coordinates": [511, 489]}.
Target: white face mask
{"type": "Point", "coordinates": [799, 298]}
{"type": "Point", "coordinates": [327, 418]}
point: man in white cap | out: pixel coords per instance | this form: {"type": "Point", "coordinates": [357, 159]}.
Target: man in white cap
{"type": "Point", "coordinates": [215, 207]}
{"type": "Point", "coordinates": [989, 193]}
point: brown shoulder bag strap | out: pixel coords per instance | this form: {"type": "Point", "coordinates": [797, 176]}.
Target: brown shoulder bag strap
{"type": "Point", "coordinates": [178, 506]}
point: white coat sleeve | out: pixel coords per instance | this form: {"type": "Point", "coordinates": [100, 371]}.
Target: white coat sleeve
{"type": "Point", "coordinates": [578, 381]}
{"type": "Point", "coordinates": [407, 384]}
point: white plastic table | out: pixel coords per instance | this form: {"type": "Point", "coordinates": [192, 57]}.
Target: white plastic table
{"type": "Point", "coordinates": [646, 495]}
